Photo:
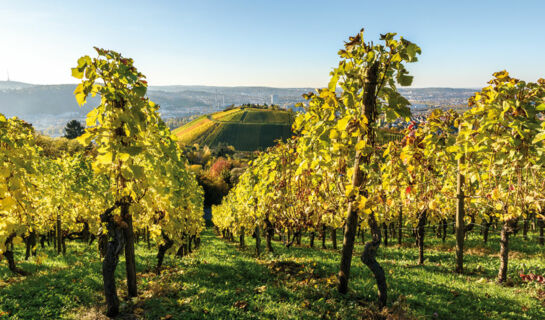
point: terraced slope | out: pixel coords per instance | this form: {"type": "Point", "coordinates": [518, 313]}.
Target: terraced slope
{"type": "Point", "coordinates": [246, 129]}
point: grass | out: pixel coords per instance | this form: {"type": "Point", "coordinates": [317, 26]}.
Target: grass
{"type": "Point", "coordinates": [221, 281]}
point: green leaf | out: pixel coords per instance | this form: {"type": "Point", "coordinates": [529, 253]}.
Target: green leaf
{"type": "Point", "coordinates": [140, 90]}
{"type": "Point", "coordinates": [133, 151]}
{"type": "Point", "coordinates": [405, 80]}
{"type": "Point", "coordinates": [332, 85]}
{"type": "Point", "coordinates": [127, 173]}
{"type": "Point", "coordinates": [137, 170]}
{"type": "Point", "coordinates": [412, 50]}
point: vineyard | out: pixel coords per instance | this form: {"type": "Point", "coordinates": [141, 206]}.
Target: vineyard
{"type": "Point", "coordinates": [130, 181]}
{"type": "Point", "coordinates": [480, 168]}
{"type": "Point", "coordinates": [344, 220]}
{"type": "Point", "coordinates": [246, 129]}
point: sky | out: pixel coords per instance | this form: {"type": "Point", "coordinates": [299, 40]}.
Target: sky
{"type": "Point", "coordinates": [278, 43]}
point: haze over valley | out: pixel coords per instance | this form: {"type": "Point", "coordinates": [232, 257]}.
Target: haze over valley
{"type": "Point", "coordinates": [50, 107]}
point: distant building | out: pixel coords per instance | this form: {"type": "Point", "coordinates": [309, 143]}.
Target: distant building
{"type": "Point", "coordinates": [274, 98]}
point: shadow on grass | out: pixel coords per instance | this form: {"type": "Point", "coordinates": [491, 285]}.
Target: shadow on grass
{"type": "Point", "coordinates": [219, 283]}
{"type": "Point", "coordinates": [60, 284]}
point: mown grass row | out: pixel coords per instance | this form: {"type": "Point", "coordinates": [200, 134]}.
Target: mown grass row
{"type": "Point", "coordinates": [222, 281]}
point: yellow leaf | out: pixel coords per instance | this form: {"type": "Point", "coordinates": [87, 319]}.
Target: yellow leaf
{"type": "Point", "coordinates": [495, 194]}
{"type": "Point", "coordinates": [105, 158]}
{"type": "Point", "coordinates": [360, 145]}
{"type": "Point", "coordinates": [84, 139]}
{"type": "Point", "coordinates": [123, 156]}
{"type": "Point", "coordinates": [92, 118]}
{"type": "Point", "coordinates": [17, 240]}
{"type": "Point", "coordinates": [80, 96]}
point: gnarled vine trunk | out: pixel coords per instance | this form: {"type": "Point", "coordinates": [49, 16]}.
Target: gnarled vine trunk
{"type": "Point", "coordinates": [59, 234]}
{"type": "Point", "coordinates": [130, 260]}
{"type": "Point", "coordinates": [181, 251]}
{"type": "Point", "coordinates": [420, 233]}
{"type": "Point", "coordinates": [323, 234]}
{"type": "Point", "coordinates": [10, 257]}
{"type": "Point", "coordinates": [42, 241]}
{"type": "Point", "coordinates": [269, 235]}
{"type": "Point", "coordinates": [30, 245]}
{"type": "Point", "coordinates": [334, 238]}
{"type": "Point", "coordinates": [459, 218]}
{"type": "Point", "coordinates": [163, 248]}
{"type": "Point", "coordinates": [509, 227]}
{"type": "Point", "coordinates": [241, 238]}
{"type": "Point", "coordinates": [85, 233]}
{"type": "Point", "coordinates": [444, 224]}
{"type": "Point", "coordinates": [369, 259]}
{"type": "Point", "coordinates": [486, 229]}
{"type": "Point", "coordinates": [114, 244]}
{"type": "Point", "coordinates": [257, 241]}
{"type": "Point", "coordinates": [369, 109]}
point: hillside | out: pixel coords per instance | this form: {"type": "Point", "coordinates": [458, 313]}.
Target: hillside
{"type": "Point", "coordinates": [246, 129]}
{"type": "Point", "coordinates": [49, 107]}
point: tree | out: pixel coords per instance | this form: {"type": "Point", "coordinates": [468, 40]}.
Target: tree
{"type": "Point", "coordinates": [73, 129]}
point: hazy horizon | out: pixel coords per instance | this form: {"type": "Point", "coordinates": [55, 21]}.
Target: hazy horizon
{"type": "Point", "coordinates": [152, 86]}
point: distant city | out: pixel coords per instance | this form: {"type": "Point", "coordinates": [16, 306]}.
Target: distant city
{"type": "Point", "coordinates": [49, 107]}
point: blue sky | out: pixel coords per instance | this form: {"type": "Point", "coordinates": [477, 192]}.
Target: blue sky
{"type": "Point", "coordinates": [270, 43]}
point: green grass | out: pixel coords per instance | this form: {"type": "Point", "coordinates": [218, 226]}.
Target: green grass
{"type": "Point", "coordinates": [58, 284]}
{"type": "Point", "coordinates": [220, 281]}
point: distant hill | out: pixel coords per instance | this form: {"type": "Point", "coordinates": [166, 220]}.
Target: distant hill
{"type": "Point", "coordinates": [246, 129]}
{"type": "Point", "coordinates": [10, 85]}
{"type": "Point", "coordinates": [50, 107]}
